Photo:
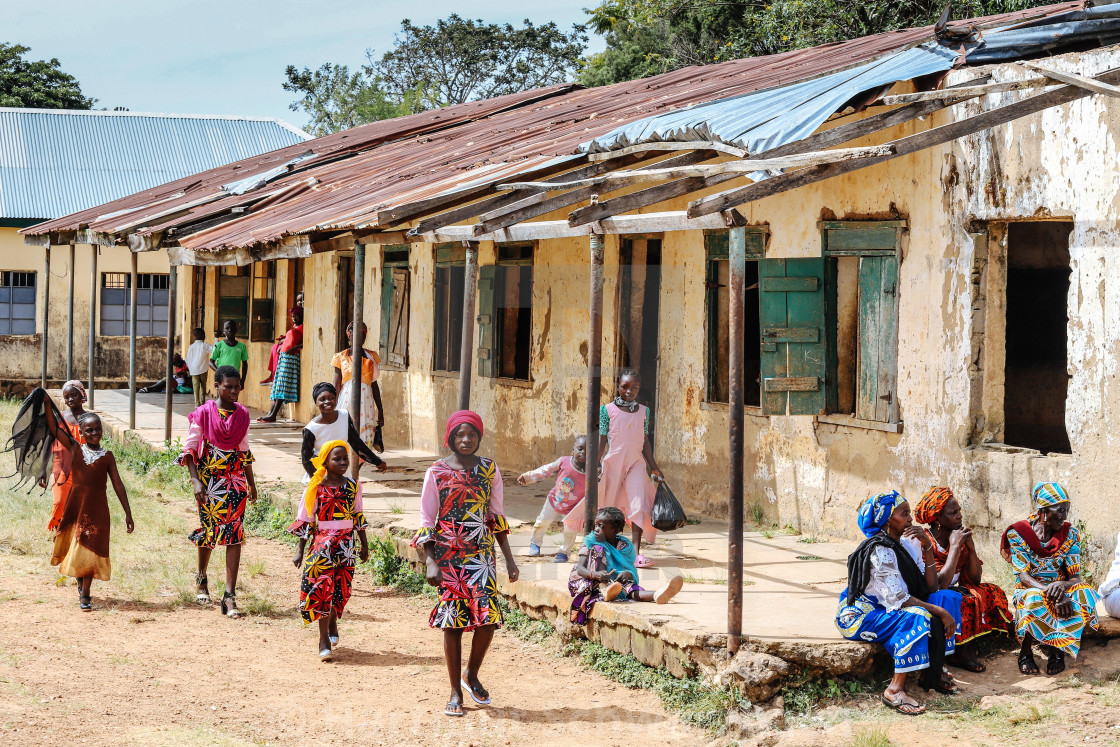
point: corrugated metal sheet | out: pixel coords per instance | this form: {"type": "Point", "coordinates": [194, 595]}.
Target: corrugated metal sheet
{"type": "Point", "coordinates": [367, 169]}
{"type": "Point", "coordinates": [55, 162]}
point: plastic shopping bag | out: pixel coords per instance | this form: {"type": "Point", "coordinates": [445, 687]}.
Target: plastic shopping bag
{"type": "Point", "coordinates": [667, 513]}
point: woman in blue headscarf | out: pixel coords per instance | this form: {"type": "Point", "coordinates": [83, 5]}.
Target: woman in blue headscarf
{"type": "Point", "coordinates": [1052, 603]}
{"type": "Point", "coordinates": [888, 600]}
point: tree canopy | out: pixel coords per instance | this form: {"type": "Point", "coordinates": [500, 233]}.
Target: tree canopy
{"type": "Point", "coordinates": [646, 37]}
{"type": "Point", "coordinates": [37, 85]}
{"type": "Point", "coordinates": [451, 62]}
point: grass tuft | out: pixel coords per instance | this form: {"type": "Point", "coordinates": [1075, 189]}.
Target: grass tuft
{"type": "Point", "coordinates": [804, 692]}
{"type": "Point", "coordinates": [757, 514]}
{"type": "Point", "coordinates": [874, 736]}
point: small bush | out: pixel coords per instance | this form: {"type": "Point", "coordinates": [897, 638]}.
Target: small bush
{"type": "Point", "coordinates": [270, 520]}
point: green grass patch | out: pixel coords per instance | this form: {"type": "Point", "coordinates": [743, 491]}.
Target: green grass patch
{"type": "Point", "coordinates": [270, 518]}
{"type": "Point", "coordinates": [873, 736]}
{"type": "Point", "coordinates": [811, 540]}
{"type": "Point", "coordinates": [389, 569]}
{"type": "Point", "coordinates": [757, 514]}
{"type": "Point", "coordinates": [804, 692]}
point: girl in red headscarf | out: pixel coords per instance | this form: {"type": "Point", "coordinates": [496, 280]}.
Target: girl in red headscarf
{"type": "Point", "coordinates": [983, 606]}
{"type": "Point", "coordinates": [460, 519]}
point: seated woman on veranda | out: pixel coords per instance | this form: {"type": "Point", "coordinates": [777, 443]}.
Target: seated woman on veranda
{"type": "Point", "coordinates": [983, 606]}
{"type": "Point", "coordinates": [1052, 604]}
{"type": "Point", "coordinates": [888, 601]}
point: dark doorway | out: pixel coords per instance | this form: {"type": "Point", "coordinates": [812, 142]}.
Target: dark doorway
{"type": "Point", "coordinates": [639, 303]}
{"type": "Point", "coordinates": [198, 306]}
{"type": "Point", "coordinates": [345, 300]}
{"type": "Point", "coordinates": [1035, 378]}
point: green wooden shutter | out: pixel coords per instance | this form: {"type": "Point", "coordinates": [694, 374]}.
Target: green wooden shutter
{"type": "Point", "coordinates": [878, 339]}
{"type": "Point", "coordinates": [487, 329]}
{"type": "Point", "coordinates": [386, 309]}
{"type": "Point", "coordinates": [794, 350]}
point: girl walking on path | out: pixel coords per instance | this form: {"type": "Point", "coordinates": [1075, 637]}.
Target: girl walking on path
{"type": "Point", "coordinates": [73, 396]}
{"type": "Point", "coordinates": [332, 424]}
{"type": "Point", "coordinates": [460, 518]}
{"type": "Point", "coordinates": [285, 384]}
{"type": "Point", "coordinates": [627, 461]}
{"type": "Point", "coordinates": [329, 515]}
{"type": "Point", "coordinates": [81, 544]}
{"type": "Point", "coordinates": [217, 455]}
{"type": "Point", "coordinates": [343, 365]}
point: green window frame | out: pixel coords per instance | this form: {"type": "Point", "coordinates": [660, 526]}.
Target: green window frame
{"type": "Point", "coordinates": [716, 302]}
{"type": "Point", "coordinates": [448, 306]}
{"type": "Point", "coordinates": [396, 287]}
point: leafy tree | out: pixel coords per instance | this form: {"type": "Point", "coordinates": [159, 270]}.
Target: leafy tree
{"type": "Point", "coordinates": [670, 34]}
{"type": "Point", "coordinates": [37, 85]}
{"type": "Point", "coordinates": [336, 99]}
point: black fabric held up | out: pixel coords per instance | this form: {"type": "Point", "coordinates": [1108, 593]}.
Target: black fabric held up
{"type": "Point", "coordinates": [859, 568]}
{"type": "Point", "coordinates": [31, 440]}
{"type": "Point", "coordinates": [931, 676]}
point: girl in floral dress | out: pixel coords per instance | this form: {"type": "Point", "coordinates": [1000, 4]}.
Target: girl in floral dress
{"type": "Point", "coordinates": [460, 518]}
{"type": "Point", "coordinates": [329, 515]}
{"type": "Point", "coordinates": [217, 455]}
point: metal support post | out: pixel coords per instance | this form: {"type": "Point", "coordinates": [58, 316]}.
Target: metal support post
{"type": "Point", "coordinates": [169, 381]}
{"type": "Point", "coordinates": [594, 382]}
{"type": "Point", "coordinates": [46, 312]}
{"type": "Point", "coordinates": [356, 352]}
{"type": "Point", "coordinates": [738, 267]}
{"type": "Point", "coordinates": [466, 351]}
{"type": "Point", "coordinates": [132, 344]}
{"type": "Point", "coordinates": [92, 321]}
{"type": "Point", "coordinates": [70, 320]}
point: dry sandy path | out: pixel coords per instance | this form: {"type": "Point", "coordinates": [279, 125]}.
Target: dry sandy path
{"type": "Point", "coordinates": [132, 673]}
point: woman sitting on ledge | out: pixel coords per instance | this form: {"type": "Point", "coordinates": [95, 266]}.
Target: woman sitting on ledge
{"type": "Point", "coordinates": [1052, 604]}
{"type": "Point", "coordinates": [888, 600]}
{"type": "Point", "coordinates": [983, 606]}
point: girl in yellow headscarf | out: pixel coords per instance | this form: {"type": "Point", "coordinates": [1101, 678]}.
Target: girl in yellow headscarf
{"type": "Point", "coordinates": [329, 515]}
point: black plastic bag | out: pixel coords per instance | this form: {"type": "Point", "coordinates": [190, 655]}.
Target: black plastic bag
{"type": "Point", "coordinates": [667, 513]}
{"type": "Point", "coordinates": [378, 442]}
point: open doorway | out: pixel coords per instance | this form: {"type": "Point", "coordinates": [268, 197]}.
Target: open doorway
{"type": "Point", "coordinates": [639, 303]}
{"type": "Point", "coordinates": [1035, 372]}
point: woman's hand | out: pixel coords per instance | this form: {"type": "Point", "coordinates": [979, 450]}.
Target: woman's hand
{"type": "Point", "coordinates": [252, 493]}
{"type": "Point", "coordinates": [380, 420]}
{"type": "Point", "coordinates": [129, 524]}
{"type": "Point", "coordinates": [523, 478]}
{"type": "Point", "coordinates": [382, 467]}
{"type": "Point", "coordinates": [432, 573]}
{"type": "Point", "coordinates": [655, 473]}
{"type": "Point", "coordinates": [958, 537]}
{"type": "Point", "coordinates": [1056, 593]}
{"type": "Point", "coordinates": [915, 532]}
{"type": "Point", "coordinates": [512, 570]}
{"type": "Point", "coordinates": [297, 559]}
{"type": "Point", "coordinates": [363, 552]}
{"type": "Point", "coordinates": [947, 620]}
{"type": "Point", "coordinates": [42, 483]}
{"type": "Point", "coordinates": [198, 488]}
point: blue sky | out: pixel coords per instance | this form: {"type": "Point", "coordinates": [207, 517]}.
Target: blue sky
{"type": "Point", "coordinates": [228, 56]}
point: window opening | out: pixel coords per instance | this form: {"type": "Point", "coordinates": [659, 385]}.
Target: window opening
{"type": "Point", "coordinates": [395, 301]}
{"type": "Point", "coordinates": [718, 294]}
{"type": "Point", "coordinates": [263, 308]}
{"type": "Point", "coordinates": [152, 291]}
{"type": "Point", "coordinates": [448, 306]}
{"type": "Point", "coordinates": [17, 303]}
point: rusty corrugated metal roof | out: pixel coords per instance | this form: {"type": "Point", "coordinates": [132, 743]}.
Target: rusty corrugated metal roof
{"type": "Point", "coordinates": [354, 174]}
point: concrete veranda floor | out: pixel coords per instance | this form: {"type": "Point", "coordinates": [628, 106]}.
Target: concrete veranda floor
{"type": "Point", "coordinates": [799, 576]}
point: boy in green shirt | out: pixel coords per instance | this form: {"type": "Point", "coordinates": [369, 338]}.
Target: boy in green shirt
{"type": "Point", "coordinates": [230, 352]}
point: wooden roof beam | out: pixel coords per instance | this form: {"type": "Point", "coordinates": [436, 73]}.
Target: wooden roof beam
{"type": "Point", "coordinates": [902, 147]}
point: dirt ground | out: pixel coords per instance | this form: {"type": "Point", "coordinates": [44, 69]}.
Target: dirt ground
{"type": "Point", "coordinates": [136, 673]}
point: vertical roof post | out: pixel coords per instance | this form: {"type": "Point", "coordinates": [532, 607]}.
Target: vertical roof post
{"type": "Point", "coordinates": [132, 343]}
{"type": "Point", "coordinates": [357, 353]}
{"type": "Point", "coordinates": [594, 381]}
{"type": "Point", "coordinates": [169, 384]}
{"type": "Point", "coordinates": [70, 320]}
{"type": "Point", "coordinates": [92, 320]}
{"type": "Point", "coordinates": [466, 346]}
{"type": "Point", "coordinates": [737, 255]}
{"type": "Point", "coordinates": [46, 311]}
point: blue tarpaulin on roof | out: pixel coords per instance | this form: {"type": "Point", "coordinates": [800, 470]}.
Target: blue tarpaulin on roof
{"type": "Point", "coordinates": [759, 121]}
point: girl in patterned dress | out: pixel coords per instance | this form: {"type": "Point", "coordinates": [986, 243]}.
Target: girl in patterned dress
{"type": "Point", "coordinates": [1052, 604]}
{"type": "Point", "coordinates": [460, 518]}
{"type": "Point", "coordinates": [217, 456]}
{"type": "Point", "coordinates": [73, 396]}
{"type": "Point", "coordinates": [329, 515]}
{"type": "Point", "coordinates": [983, 606]}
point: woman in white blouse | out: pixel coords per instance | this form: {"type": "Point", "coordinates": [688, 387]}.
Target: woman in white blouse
{"type": "Point", "coordinates": [888, 600]}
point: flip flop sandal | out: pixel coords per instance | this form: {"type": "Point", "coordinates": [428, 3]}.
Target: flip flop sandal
{"type": "Point", "coordinates": [333, 639]}
{"type": "Point", "coordinates": [897, 705]}
{"type": "Point", "coordinates": [1027, 664]}
{"type": "Point", "coordinates": [643, 562]}
{"type": "Point", "coordinates": [669, 590]}
{"type": "Point", "coordinates": [475, 693]}
{"type": "Point", "coordinates": [85, 604]}
{"type": "Point", "coordinates": [611, 592]}
{"type": "Point", "coordinates": [453, 709]}
{"type": "Point", "coordinates": [325, 655]}
{"type": "Point", "coordinates": [1057, 658]}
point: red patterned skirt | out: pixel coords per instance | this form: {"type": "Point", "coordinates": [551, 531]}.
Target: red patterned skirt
{"type": "Point", "coordinates": [983, 609]}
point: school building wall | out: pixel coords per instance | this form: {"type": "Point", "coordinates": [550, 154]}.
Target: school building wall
{"type": "Point", "coordinates": [21, 358]}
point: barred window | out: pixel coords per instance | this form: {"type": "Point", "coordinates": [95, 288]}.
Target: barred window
{"type": "Point", "coordinates": [152, 292]}
{"type": "Point", "coordinates": [17, 303]}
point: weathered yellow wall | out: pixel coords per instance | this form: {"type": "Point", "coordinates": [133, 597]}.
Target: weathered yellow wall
{"type": "Point", "coordinates": [22, 354]}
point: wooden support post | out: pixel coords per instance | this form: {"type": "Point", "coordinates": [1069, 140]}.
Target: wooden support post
{"type": "Point", "coordinates": [46, 311]}
{"type": "Point", "coordinates": [466, 351]}
{"type": "Point", "coordinates": [70, 320]}
{"type": "Point", "coordinates": [738, 266]}
{"type": "Point", "coordinates": [356, 351]}
{"type": "Point", "coordinates": [132, 343]}
{"type": "Point", "coordinates": [92, 321]}
{"type": "Point", "coordinates": [169, 385]}
{"type": "Point", "coordinates": [594, 383]}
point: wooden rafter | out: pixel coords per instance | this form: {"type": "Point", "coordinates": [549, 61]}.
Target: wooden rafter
{"type": "Point", "coordinates": [902, 147]}
{"type": "Point", "coordinates": [1074, 80]}
{"type": "Point", "coordinates": [959, 93]}
{"type": "Point", "coordinates": [646, 148]}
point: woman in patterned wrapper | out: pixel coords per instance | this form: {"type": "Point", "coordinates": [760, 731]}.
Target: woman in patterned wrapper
{"type": "Point", "coordinates": [461, 517]}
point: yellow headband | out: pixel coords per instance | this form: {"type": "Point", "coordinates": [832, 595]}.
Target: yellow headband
{"type": "Point", "coordinates": [320, 464]}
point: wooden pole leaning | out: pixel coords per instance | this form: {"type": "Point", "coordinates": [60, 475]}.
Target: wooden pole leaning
{"type": "Point", "coordinates": [169, 385]}
{"type": "Point", "coordinates": [738, 266]}
{"type": "Point", "coordinates": [356, 352]}
{"type": "Point", "coordinates": [466, 351]}
{"type": "Point", "coordinates": [594, 382]}
{"type": "Point", "coordinates": [132, 343]}
{"type": "Point", "coordinates": [92, 323]}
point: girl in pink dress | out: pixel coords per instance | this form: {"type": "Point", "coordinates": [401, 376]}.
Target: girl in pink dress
{"type": "Point", "coordinates": [627, 462]}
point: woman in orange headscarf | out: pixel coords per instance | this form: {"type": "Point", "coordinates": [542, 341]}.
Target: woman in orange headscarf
{"type": "Point", "coordinates": [983, 606]}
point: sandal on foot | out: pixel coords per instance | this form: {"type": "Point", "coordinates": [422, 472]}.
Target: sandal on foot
{"type": "Point", "coordinates": [1027, 664]}
{"type": "Point", "coordinates": [611, 591]}
{"type": "Point", "coordinates": [643, 562]}
{"type": "Point", "coordinates": [453, 709]}
{"type": "Point", "coordinates": [202, 590]}
{"type": "Point", "coordinates": [325, 655]}
{"type": "Point", "coordinates": [669, 590]}
{"type": "Point", "coordinates": [230, 610]}
{"type": "Point", "coordinates": [900, 705]}
{"type": "Point", "coordinates": [85, 604]}
{"type": "Point", "coordinates": [333, 639]}
{"type": "Point", "coordinates": [1055, 663]}
{"type": "Point", "coordinates": [561, 557]}
{"type": "Point", "coordinates": [478, 694]}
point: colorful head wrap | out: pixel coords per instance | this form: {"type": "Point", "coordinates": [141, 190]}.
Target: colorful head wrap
{"type": "Point", "coordinates": [75, 384]}
{"type": "Point", "coordinates": [1048, 494]}
{"type": "Point", "coordinates": [469, 417]}
{"type": "Point", "coordinates": [876, 512]}
{"type": "Point", "coordinates": [931, 505]}
{"type": "Point", "coordinates": [320, 464]}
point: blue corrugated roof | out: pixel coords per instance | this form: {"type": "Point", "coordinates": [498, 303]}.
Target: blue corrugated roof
{"type": "Point", "coordinates": [55, 162]}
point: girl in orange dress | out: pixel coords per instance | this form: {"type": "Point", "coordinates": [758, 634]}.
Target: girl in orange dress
{"type": "Point", "coordinates": [74, 396]}
{"type": "Point", "coordinates": [343, 364]}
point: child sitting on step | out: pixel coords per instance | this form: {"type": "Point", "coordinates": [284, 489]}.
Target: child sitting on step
{"type": "Point", "coordinates": [606, 570]}
{"type": "Point", "coordinates": [564, 496]}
